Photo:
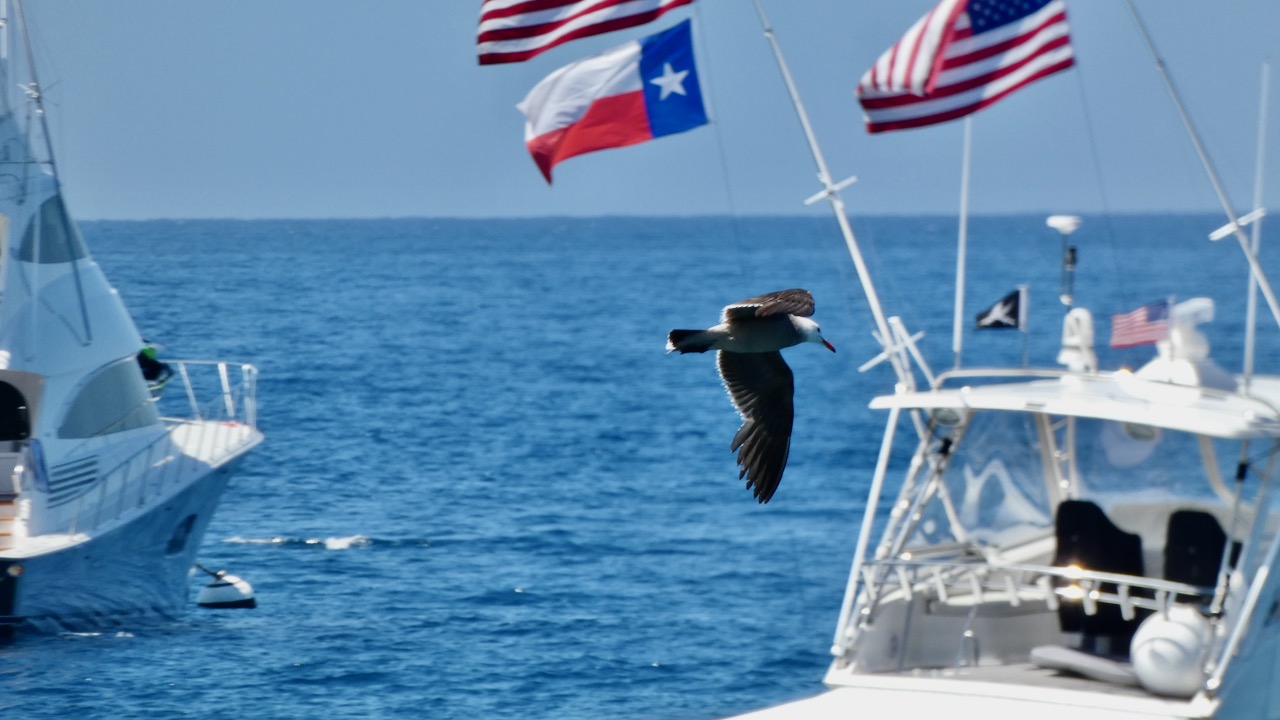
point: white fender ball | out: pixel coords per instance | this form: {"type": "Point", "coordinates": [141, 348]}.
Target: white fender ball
{"type": "Point", "coordinates": [1169, 649]}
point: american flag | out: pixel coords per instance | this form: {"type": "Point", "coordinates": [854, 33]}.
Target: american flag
{"type": "Point", "coordinates": [1147, 324]}
{"type": "Point", "coordinates": [516, 30]}
{"type": "Point", "coordinates": [961, 57]}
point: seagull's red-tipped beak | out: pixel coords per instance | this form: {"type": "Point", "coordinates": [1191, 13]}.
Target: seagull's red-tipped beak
{"type": "Point", "coordinates": [828, 345]}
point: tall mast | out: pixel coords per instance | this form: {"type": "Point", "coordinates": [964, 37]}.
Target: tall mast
{"type": "Point", "coordinates": [34, 92]}
{"type": "Point", "coordinates": [36, 100]}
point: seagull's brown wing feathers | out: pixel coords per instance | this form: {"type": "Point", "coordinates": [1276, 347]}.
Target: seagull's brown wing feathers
{"type": "Point", "coordinates": [761, 387]}
{"type": "Point", "coordinates": [781, 302]}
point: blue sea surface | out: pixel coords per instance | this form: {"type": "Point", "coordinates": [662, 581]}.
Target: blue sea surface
{"type": "Point", "coordinates": [486, 491]}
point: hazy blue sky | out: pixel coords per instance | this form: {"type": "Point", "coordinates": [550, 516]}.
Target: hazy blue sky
{"type": "Point", "coordinates": [321, 108]}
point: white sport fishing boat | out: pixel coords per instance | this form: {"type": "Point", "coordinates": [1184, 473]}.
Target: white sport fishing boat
{"type": "Point", "coordinates": [1066, 542]}
{"type": "Point", "coordinates": [103, 502]}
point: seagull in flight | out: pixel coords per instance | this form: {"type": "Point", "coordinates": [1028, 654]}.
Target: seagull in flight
{"type": "Point", "coordinates": [748, 340]}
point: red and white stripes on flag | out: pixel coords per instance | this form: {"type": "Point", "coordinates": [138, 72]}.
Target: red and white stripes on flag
{"type": "Point", "coordinates": [1146, 325]}
{"type": "Point", "coordinates": [961, 57]}
{"type": "Point", "coordinates": [516, 30]}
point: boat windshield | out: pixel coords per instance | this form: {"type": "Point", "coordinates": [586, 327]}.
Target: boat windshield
{"type": "Point", "coordinates": [994, 490]}
{"type": "Point", "coordinates": [1009, 470]}
{"type": "Point", "coordinates": [1122, 462]}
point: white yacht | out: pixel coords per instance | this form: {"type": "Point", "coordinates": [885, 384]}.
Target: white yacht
{"type": "Point", "coordinates": [103, 502]}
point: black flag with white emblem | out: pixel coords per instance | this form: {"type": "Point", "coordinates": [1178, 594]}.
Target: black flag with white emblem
{"type": "Point", "coordinates": [1010, 313]}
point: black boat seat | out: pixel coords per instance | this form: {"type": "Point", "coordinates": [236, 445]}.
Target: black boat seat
{"type": "Point", "coordinates": [1193, 547]}
{"type": "Point", "coordinates": [1087, 539]}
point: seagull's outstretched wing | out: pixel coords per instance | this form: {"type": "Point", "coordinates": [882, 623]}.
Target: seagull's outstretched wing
{"type": "Point", "coordinates": [782, 302]}
{"type": "Point", "coordinates": [762, 388]}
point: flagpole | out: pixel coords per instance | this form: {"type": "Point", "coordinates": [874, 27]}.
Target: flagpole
{"type": "Point", "coordinates": [1233, 222]}
{"type": "Point", "coordinates": [1024, 307]}
{"type": "Point", "coordinates": [831, 191]}
{"type": "Point", "coordinates": [957, 336]}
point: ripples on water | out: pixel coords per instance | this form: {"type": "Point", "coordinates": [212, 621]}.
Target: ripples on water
{"type": "Point", "coordinates": [485, 489]}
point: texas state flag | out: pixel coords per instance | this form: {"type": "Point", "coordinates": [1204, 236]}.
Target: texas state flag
{"type": "Point", "coordinates": [644, 89]}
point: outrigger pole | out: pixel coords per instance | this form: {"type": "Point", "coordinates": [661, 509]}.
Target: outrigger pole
{"type": "Point", "coordinates": [1234, 224]}
{"type": "Point", "coordinates": [897, 342]}
{"type": "Point", "coordinates": [893, 346]}
{"type": "Point", "coordinates": [1251, 306]}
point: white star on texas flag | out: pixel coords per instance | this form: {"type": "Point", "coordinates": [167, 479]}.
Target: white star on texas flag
{"type": "Point", "coordinates": [670, 81]}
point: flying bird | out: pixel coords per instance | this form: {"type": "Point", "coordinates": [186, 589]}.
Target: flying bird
{"type": "Point", "coordinates": [760, 384]}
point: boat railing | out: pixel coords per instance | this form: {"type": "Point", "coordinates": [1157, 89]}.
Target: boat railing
{"type": "Point", "coordinates": [130, 483]}
{"type": "Point", "coordinates": [152, 469]}
{"type": "Point", "coordinates": [970, 583]}
{"type": "Point", "coordinates": [233, 397]}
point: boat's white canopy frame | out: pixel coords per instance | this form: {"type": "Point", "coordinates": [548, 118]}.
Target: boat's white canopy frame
{"type": "Point", "coordinates": [1048, 395]}
{"type": "Point", "coordinates": [1121, 396]}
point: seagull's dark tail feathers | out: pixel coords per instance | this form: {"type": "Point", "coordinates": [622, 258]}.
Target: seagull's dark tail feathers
{"type": "Point", "coordinates": [687, 341]}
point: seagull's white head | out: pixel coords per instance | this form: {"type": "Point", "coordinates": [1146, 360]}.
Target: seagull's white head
{"type": "Point", "coordinates": [811, 332]}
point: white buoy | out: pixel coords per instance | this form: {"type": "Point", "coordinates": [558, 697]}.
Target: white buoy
{"type": "Point", "coordinates": [226, 591]}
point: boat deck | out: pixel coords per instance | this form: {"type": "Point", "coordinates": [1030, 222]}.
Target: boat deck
{"type": "Point", "coordinates": [1017, 690]}
{"type": "Point", "coordinates": [1007, 690]}
{"type": "Point", "coordinates": [1028, 675]}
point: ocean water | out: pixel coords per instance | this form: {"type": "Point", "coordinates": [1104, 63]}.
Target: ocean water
{"type": "Point", "coordinates": [486, 491]}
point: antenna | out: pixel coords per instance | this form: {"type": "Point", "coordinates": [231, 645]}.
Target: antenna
{"type": "Point", "coordinates": [1065, 225]}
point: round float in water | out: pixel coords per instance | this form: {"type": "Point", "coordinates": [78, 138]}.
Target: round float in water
{"type": "Point", "coordinates": [226, 591]}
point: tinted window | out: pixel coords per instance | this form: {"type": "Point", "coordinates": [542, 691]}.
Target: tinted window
{"type": "Point", "coordinates": [114, 400]}
{"type": "Point", "coordinates": [59, 242]}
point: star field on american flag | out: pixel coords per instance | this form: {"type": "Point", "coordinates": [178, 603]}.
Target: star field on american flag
{"type": "Point", "coordinates": [987, 14]}
{"type": "Point", "coordinates": [961, 57]}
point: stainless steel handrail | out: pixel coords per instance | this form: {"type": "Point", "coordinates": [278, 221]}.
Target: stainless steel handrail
{"type": "Point", "coordinates": [1007, 583]}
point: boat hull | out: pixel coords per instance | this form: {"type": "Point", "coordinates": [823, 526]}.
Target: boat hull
{"type": "Point", "coordinates": [140, 567]}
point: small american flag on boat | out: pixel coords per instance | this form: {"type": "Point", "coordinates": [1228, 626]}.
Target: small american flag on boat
{"type": "Point", "coordinates": [1146, 325]}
